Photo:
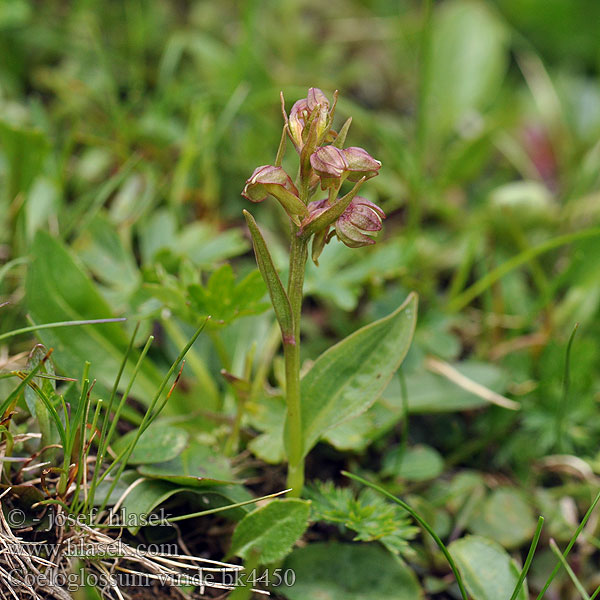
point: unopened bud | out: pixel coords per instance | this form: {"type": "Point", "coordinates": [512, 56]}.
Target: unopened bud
{"type": "Point", "coordinates": [360, 220]}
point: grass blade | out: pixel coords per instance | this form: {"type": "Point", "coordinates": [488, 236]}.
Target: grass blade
{"type": "Point", "coordinates": [570, 545]}
{"type": "Point", "coordinates": [31, 328]}
{"type": "Point", "coordinates": [578, 585]}
{"type": "Point", "coordinates": [415, 515]}
{"type": "Point", "coordinates": [529, 559]}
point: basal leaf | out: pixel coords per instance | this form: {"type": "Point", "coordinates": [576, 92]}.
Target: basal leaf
{"type": "Point", "coordinates": [142, 499]}
{"type": "Point", "coordinates": [506, 517]}
{"type": "Point", "coordinates": [197, 466]}
{"type": "Point", "coordinates": [159, 443]}
{"type": "Point", "coordinates": [334, 571]}
{"type": "Point", "coordinates": [417, 463]}
{"type": "Point", "coordinates": [346, 379]}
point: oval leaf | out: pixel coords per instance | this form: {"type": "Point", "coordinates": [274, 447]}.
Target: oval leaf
{"type": "Point", "coordinates": [333, 571]}
{"type": "Point", "coordinates": [346, 379]}
{"type": "Point", "coordinates": [270, 531]}
{"type": "Point", "coordinates": [159, 443]}
{"type": "Point", "coordinates": [418, 463]}
{"type": "Point", "coordinates": [505, 517]}
{"type": "Point", "coordinates": [487, 570]}
{"type": "Point", "coordinates": [196, 466]}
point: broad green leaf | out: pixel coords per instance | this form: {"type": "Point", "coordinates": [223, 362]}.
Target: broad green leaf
{"type": "Point", "coordinates": [155, 492]}
{"type": "Point", "coordinates": [159, 443]}
{"type": "Point", "coordinates": [15, 13]}
{"type": "Point", "coordinates": [353, 434]}
{"type": "Point", "coordinates": [486, 568]}
{"type": "Point", "coordinates": [197, 466]}
{"type": "Point", "coordinates": [57, 289]}
{"type": "Point", "coordinates": [47, 385]}
{"type": "Point", "coordinates": [143, 498]}
{"type": "Point", "coordinates": [270, 531]}
{"type": "Point", "coordinates": [335, 571]}
{"type": "Point", "coordinates": [417, 463]}
{"type": "Point", "coordinates": [505, 517]}
{"type": "Point", "coordinates": [279, 298]}
{"type": "Point", "coordinates": [201, 243]}
{"type": "Point", "coordinates": [342, 275]}
{"type": "Point", "coordinates": [126, 479]}
{"type": "Point", "coordinates": [205, 245]}
{"type": "Point", "coordinates": [467, 61]}
{"type": "Point", "coordinates": [346, 379]}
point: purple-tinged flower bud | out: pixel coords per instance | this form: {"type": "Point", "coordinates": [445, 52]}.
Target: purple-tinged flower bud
{"type": "Point", "coordinates": [315, 208]}
{"type": "Point", "coordinates": [269, 180]}
{"type": "Point", "coordinates": [360, 163]}
{"type": "Point", "coordinates": [330, 164]}
{"type": "Point", "coordinates": [313, 108]}
{"type": "Point", "coordinates": [296, 122]}
{"type": "Point", "coordinates": [315, 97]}
{"type": "Point", "coordinates": [360, 220]}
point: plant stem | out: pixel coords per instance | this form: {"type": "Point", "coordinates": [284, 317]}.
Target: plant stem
{"type": "Point", "coordinates": [291, 350]}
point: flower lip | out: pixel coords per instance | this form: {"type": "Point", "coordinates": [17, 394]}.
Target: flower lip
{"type": "Point", "coordinates": [299, 109]}
{"type": "Point", "coordinates": [316, 96]}
{"type": "Point", "coordinates": [274, 181]}
{"type": "Point", "coordinates": [361, 219]}
{"type": "Point", "coordinates": [329, 161]}
{"type": "Point", "coordinates": [315, 209]}
{"type": "Point", "coordinates": [360, 163]}
{"type": "Point", "coordinates": [256, 189]}
{"type": "Point", "coordinates": [314, 106]}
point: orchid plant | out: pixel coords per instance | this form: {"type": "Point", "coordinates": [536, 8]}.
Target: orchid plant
{"type": "Point", "coordinates": [324, 166]}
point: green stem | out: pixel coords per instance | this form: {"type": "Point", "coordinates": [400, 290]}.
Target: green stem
{"type": "Point", "coordinates": [291, 350]}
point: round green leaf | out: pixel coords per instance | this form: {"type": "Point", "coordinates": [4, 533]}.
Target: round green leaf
{"type": "Point", "coordinates": [487, 570]}
{"type": "Point", "coordinates": [334, 571]}
{"type": "Point", "coordinates": [505, 517]}
{"type": "Point", "coordinates": [418, 463]}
